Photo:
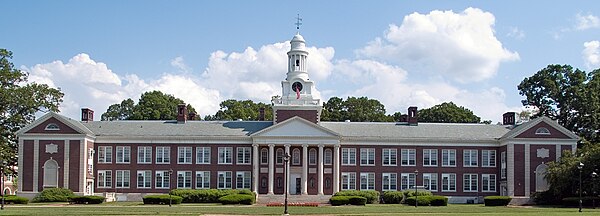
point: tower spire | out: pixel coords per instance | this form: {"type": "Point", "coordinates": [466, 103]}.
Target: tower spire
{"type": "Point", "coordinates": [298, 22]}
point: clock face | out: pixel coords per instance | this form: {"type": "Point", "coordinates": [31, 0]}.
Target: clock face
{"type": "Point", "coordinates": [297, 86]}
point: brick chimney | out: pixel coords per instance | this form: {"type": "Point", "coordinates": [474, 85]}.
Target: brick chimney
{"type": "Point", "coordinates": [261, 114]}
{"type": "Point", "coordinates": [87, 115]}
{"type": "Point", "coordinates": [413, 117]}
{"type": "Point", "coordinates": [181, 113]}
{"type": "Point", "coordinates": [509, 118]}
{"type": "Point", "coordinates": [192, 116]}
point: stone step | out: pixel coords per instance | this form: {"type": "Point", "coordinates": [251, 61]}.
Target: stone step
{"type": "Point", "coordinates": [279, 198]}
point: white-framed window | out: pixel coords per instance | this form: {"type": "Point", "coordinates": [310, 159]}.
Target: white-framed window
{"type": "Point", "coordinates": [488, 182]}
{"type": "Point", "coordinates": [542, 131]}
{"type": "Point", "coordinates": [488, 158]}
{"type": "Point", "coordinates": [123, 154]}
{"type": "Point", "coordinates": [52, 127]}
{"type": "Point", "coordinates": [408, 157]}
{"type": "Point", "coordinates": [104, 154]}
{"type": "Point", "coordinates": [264, 156]}
{"type": "Point", "coordinates": [448, 182]}
{"type": "Point", "coordinates": [144, 155]}
{"type": "Point", "coordinates": [470, 183]}
{"type": "Point", "coordinates": [469, 158]}
{"type": "Point", "coordinates": [104, 178]}
{"type": "Point", "coordinates": [430, 181]}
{"type": "Point", "coordinates": [184, 179]}
{"type": "Point", "coordinates": [367, 156]}
{"type": "Point", "coordinates": [407, 181]}
{"type": "Point", "coordinates": [225, 156]}
{"type": "Point", "coordinates": [122, 178]}
{"type": "Point", "coordinates": [503, 165]}
{"type": "Point", "coordinates": [349, 156]}
{"type": "Point", "coordinates": [389, 181]}
{"type": "Point", "coordinates": [163, 154]}
{"type": "Point", "coordinates": [296, 156]}
{"type": "Point", "coordinates": [449, 157]}
{"type": "Point", "coordinates": [144, 179]}
{"type": "Point", "coordinates": [367, 181]}
{"type": "Point", "coordinates": [430, 157]}
{"type": "Point", "coordinates": [162, 179]}
{"type": "Point", "coordinates": [349, 180]}
{"type": "Point", "coordinates": [312, 156]}
{"type": "Point", "coordinates": [389, 156]}
{"type": "Point", "coordinates": [243, 155]}
{"type": "Point", "coordinates": [224, 180]}
{"type": "Point", "coordinates": [202, 155]}
{"type": "Point", "coordinates": [184, 155]}
{"type": "Point", "coordinates": [243, 179]}
{"type": "Point", "coordinates": [203, 179]}
{"type": "Point", "coordinates": [327, 158]}
{"type": "Point", "coordinates": [279, 156]}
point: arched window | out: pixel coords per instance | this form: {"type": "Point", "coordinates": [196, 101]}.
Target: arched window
{"type": "Point", "coordinates": [312, 156]}
{"type": "Point", "coordinates": [296, 156]}
{"type": "Point", "coordinates": [542, 131]}
{"type": "Point", "coordinates": [312, 182]}
{"type": "Point", "coordinates": [540, 178]}
{"type": "Point", "coordinates": [264, 156]}
{"type": "Point", "coordinates": [327, 157]}
{"type": "Point", "coordinates": [50, 174]}
{"type": "Point", "coordinates": [52, 127]}
{"type": "Point", "coordinates": [263, 182]}
{"type": "Point", "coordinates": [279, 183]}
{"type": "Point", "coordinates": [7, 191]}
{"type": "Point", "coordinates": [327, 183]}
{"type": "Point", "coordinates": [279, 156]}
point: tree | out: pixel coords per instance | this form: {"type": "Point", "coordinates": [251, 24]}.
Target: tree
{"type": "Point", "coordinates": [448, 112]}
{"type": "Point", "coordinates": [19, 101]}
{"type": "Point", "coordinates": [360, 109]}
{"type": "Point", "coordinates": [153, 105]}
{"type": "Point", "coordinates": [246, 110]}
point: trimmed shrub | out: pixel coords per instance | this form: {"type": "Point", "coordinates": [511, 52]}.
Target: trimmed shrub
{"type": "Point", "coordinates": [371, 195]}
{"type": "Point", "coordinates": [206, 195]}
{"type": "Point", "coordinates": [86, 199]}
{"type": "Point", "coordinates": [393, 197]}
{"type": "Point", "coordinates": [53, 195]}
{"type": "Point", "coordinates": [422, 200]}
{"type": "Point", "coordinates": [339, 200]}
{"type": "Point", "coordinates": [411, 193]}
{"type": "Point", "coordinates": [12, 199]}
{"type": "Point", "coordinates": [574, 201]}
{"type": "Point", "coordinates": [356, 200]}
{"type": "Point", "coordinates": [546, 198]}
{"type": "Point", "coordinates": [162, 199]}
{"type": "Point", "coordinates": [245, 199]}
{"type": "Point", "coordinates": [496, 200]}
{"type": "Point", "coordinates": [438, 201]}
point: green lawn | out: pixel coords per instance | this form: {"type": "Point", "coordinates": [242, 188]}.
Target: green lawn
{"type": "Point", "coordinates": [136, 208]}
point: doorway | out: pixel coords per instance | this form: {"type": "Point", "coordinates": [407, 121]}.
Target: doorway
{"type": "Point", "coordinates": [295, 184]}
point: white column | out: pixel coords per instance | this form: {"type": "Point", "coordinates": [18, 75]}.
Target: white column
{"type": "Point", "coordinates": [255, 170]}
{"type": "Point", "coordinates": [336, 168]}
{"type": "Point", "coordinates": [510, 171]}
{"type": "Point", "coordinates": [320, 170]}
{"type": "Point", "coordinates": [20, 163]}
{"type": "Point", "coordinates": [527, 169]}
{"type": "Point", "coordinates": [271, 167]}
{"type": "Point", "coordinates": [66, 164]}
{"type": "Point", "coordinates": [305, 169]}
{"type": "Point", "coordinates": [36, 164]}
{"type": "Point", "coordinates": [558, 152]}
{"type": "Point", "coordinates": [287, 167]}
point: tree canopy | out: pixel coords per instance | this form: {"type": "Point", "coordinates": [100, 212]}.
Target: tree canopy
{"type": "Point", "coordinates": [361, 109]}
{"type": "Point", "coordinates": [153, 105]}
{"type": "Point", "coordinates": [20, 101]}
{"type": "Point", "coordinates": [237, 109]}
{"type": "Point", "coordinates": [448, 112]}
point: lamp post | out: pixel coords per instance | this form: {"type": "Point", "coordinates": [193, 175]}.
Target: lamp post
{"type": "Point", "coordinates": [594, 179]}
{"type": "Point", "coordinates": [416, 189]}
{"type": "Point", "coordinates": [286, 160]}
{"type": "Point", "coordinates": [170, 173]}
{"type": "Point", "coordinates": [580, 167]}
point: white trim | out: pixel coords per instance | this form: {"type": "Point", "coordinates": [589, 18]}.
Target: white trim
{"type": "Point", "coordinates": [558, 153]}
{"type": "Point", "coordinates": [53, 136]}
{"type": "Point", "coordinates": [36, 162]}
{"type": "Point", "coordinates": [67, 149]}
{"type": "Point", "coordinates": [20, 163]}
{"type": "Point", "coordinates": [510, 174]}
{"type": "Point", "coordinates": [83, 165]}
{"type": "Point", "coordinates": [416, 142]}
{"type": "Point", "coordinates": [527, 169]}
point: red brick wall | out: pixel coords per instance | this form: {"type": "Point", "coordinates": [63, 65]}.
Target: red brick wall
{"type": "Point", "coordinates": [535, 161]}
{"type": "Point", "coordinates": [59, 157]}
{"type": "Point", "coordinates": [519, 170]}
{"type": "Point", "coordinates": [26, 174]}
{"type": "Point", "coordinates": [74, 165]}
{"type": "Point", "coordinates": [64, 129]}
{"type": "Point", "coordinates": [554, 133]}
{"type": "Point", "coordinates": [310, 115]}
{"type": "Point", "coordinates": [564, 148]}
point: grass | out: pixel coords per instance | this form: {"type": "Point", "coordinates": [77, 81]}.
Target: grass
{"type": "Point", "coordinates": [137, 208]}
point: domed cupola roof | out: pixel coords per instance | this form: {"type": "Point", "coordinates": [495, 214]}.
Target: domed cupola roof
{"type": "Point", "coordinates": [298, 43]}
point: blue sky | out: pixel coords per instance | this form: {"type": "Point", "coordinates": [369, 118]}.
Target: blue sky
{"type": "Point", "coordinates": [402, 53]}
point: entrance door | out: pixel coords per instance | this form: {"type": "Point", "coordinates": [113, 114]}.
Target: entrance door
{"type": "Point", "coordinates": [297, 186]}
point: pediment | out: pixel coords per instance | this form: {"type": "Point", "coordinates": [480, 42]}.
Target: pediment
{"type": "Point", "coordinates": [541, 128]}
{"type": "Point", "coordinates": [296, 127]}
{"type": "Point", "coordinates": [53, 123]}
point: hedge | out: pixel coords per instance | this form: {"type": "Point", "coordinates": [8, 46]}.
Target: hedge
{"type": "Point", "coordinates": [53, 195]}
{"type": "Point", "coordinates": [371, 195]}
{"type": "Point", "coordinates": [411, 193]}
{"type": "Point", "coordinates": [422, 200]}
{"type": "Point", "coordinates": [86, 199]}
{"type": "Point", "coordinates": [245, 199]}
{"type": "Point", "coordinates": [162, 199]}
{"type": "Point", "coordinates": [347, 200]}
{"type": "Point", "coordinates": [206, 195]}
{"type": "Point", "coordinates": [357, 200]}
{"type": "Point", "coordinates": [12, 199]}
{"type": "Point", "coordinates": [438, 200]}
{"type": "Point", "coordinates": [574, 201]}
{"type": "Point", "coordinates": [393, 197]}
{"type": "Point", "coordinates": [496, 200]}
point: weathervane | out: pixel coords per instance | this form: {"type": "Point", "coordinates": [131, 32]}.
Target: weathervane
{"type": "Point", "coordinates": [298, 22]}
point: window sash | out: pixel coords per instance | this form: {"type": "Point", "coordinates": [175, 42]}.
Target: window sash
{"type": "Point", "coordinates": [348, 181]}
{"type": "Point", "coordinates": [488, 158]}
{"type": "Point", "coordinates": [243, 155]}
{"type": "Point", "coordinates": [389, 181]}
{"type": "Point", "coordinates": [163, 155]}
{"type": "Point", "coordinates": [123, 154]}
{"type": "Point", "coordinates": [348, 156]}
{"type": "Point", "coordinates": [104, 178]}
{"type": "Point", "coordinates": [279, 156]}
{"type": "Point", "coordinates": [122, 179]}
{"type": "Point", "coordinates": [327, 158]}
{"type": "Point", "coordinates": [312, 156]}
{"type": "Point", "coordinates": [104, 154]}
{"type": "Point", "coordinates": [430, 157]}
{"type": "Point", "coordinates": [470, 158]}
{"type": "Point", "coordinates": [470, 183]}
{"type": "Point", "coordinates": [409, 157]}
{"type": "Point", "coordinates": [389, 157]}
{"type": "Point", "coordinates": [430, 181]}
{"type": "Point", "coordinates": [224, 180]}
{"type": "Point", "coordinates": [449, 157]}
{"type": "Point", "coordinates": [296, 156]}
{"type": "Point", "coordinates": [448, 182]}
{"type": "Point", "coordinates": [407, 181]}
{"type": "Point", "coordinates": [225, 156]}
{"type": "Point", "coordinates": [367, 156]}
{"type": "Point", "coordinates": [264, 156]}
{"type": "Point", "coordinates": [184, 179]}
{"type": "Point", "coordinates": [144, 154]}
{"type": "Point", "coordinates": [202, 155]}
{"type": "Point", "coordinates": [367, 181]}
{"type": "Point", "coordinates": [203, 179]}
{"type": "Point", "coordinates": [488, 182]}
{"type": "Point", "coordinates": [243, 180]}
{"type": "Point", "coordinates": [144, 179]}
{"type": "Point", "coordinates": [184, 155]}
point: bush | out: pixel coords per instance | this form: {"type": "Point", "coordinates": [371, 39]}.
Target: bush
{"type": "Point", "coordinates": [574, 201]}
{"type": "Point", "coordinates": [411, 193]}
{"type": "Point", "coordinates": [12, 199]}
{"type": "Point", "coordinates": [422, 200]}
{"type": "Point", "coordinates": [53, 195]}
{"type": "Point", "coordinates": [245, 199]}
{"type": "Point", "coordinates": [347, 200]}
{"type": "Point", "coordinates": [371, 195]}
{"type": "Point", "coordinates": [545, 198]}
{"type": "Point", "coordinates": [357, 200]}
{"type": "Point", "coordinates": [206, 195]}
{"type": "Point", "coordinates": [496, 200]}
{"type": "Point", "coordinates": [393, 197]}
{"type": "Point", "coordinates": [86, 199]}
{"type": "Point", "coordinates": [438, 200]}
{"type": "Point", "coordinates": [162, 199]}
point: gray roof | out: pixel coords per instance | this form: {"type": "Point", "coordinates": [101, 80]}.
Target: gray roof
{"type": "Point", "coordinates": [171, 128]}
{"type": "Point", "coordinates": [441, 131]}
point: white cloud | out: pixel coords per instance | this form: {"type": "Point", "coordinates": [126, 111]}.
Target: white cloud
{"type": "Point", "coordinates": [179, 63]}
{"type": "Point", "coordinates": [583, 22]}
{"type": "Point", "coordinates": [461, 46]}
{"type": "Point", "coordinates": [591, 54]}
{"type": "Point", "coordinates": [516, 33]}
